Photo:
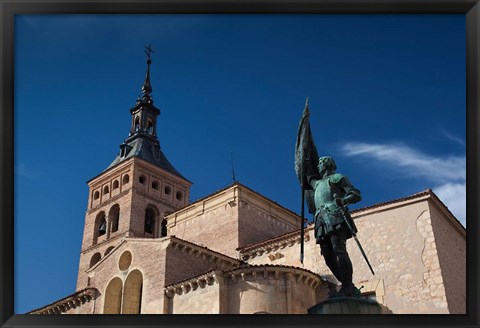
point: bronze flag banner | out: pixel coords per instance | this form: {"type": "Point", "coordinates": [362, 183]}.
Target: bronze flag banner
{"type": "Point", "coordinates": [306, 160]}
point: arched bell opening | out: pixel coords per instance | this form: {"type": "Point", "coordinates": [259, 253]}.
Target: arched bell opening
{"type": "Point", "coordinates": [100, 227]}
{"type": "Point", "coordinates": [136, 125]}
{"type": "Point", "coordinates": [114, 217]}
{"type": "Point", "coordinates": [149, 127]}
{"type": "Point", "coordinates": [151, 222]}
{"type": "Point", "coordinates": [164, 231]}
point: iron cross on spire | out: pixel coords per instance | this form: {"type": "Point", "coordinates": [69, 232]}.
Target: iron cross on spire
{"type": "Point", "coordinates": [149, 51]}
{"type": "Point", "coordinates": [147, 87]}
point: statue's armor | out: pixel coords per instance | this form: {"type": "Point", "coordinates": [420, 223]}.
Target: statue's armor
{"type": "Point", "coordinates": [328, 215]}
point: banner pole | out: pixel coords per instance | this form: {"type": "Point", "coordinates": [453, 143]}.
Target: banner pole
{"type": "Point", "coordinates": [302, 230]}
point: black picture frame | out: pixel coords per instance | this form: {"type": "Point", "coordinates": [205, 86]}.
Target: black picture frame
{"type": "Point", "coordinates": [10, 8]}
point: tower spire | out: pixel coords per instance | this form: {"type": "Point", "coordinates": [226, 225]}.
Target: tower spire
{"type": "Point", "coordinates": [147, 87]}
{"type": "Point", "coordinates": [144, 113]}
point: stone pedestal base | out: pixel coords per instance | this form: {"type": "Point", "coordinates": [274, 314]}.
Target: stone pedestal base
{"type": "Point", "coordinates": [346, 305]}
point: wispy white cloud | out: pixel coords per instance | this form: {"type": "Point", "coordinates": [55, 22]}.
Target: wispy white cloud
{"type": "Point", "coordinates": [453, 137]}
{"type": "Point", "coordinates": [447, 172]}
{"type": "Point", "coordinates": [412, 162]}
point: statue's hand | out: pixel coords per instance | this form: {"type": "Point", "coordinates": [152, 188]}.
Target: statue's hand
{"type": "Point", "coordinates": [340, 201]}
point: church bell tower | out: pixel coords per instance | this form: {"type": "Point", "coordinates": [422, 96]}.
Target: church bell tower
{"type": "Point", "coordinates": [131, 197]}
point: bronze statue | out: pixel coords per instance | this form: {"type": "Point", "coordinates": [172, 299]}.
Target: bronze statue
{"type": "Point", "coordinates": [327, 195]}
{"type": "Point", "coordinates": [332, 193]}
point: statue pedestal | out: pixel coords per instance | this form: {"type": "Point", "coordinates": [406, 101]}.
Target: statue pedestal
{"type": "Point", "coordinates": [346, 305]}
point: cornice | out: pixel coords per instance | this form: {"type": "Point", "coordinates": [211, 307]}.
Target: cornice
{"type": "Point", "coordinates": [70, 302]}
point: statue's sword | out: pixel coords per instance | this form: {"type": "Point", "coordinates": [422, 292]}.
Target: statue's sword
{"type": "Point", "coordinates": [342, 210]}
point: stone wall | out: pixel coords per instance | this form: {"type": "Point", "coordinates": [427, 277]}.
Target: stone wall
{"type": "Point", "coordinates": [401, 245]}
{"type": "Point", "coordinates": [449, 245]}
{"type": "Point", "coordinates": [276, 290]}
{"type": "Point", "coordinates": [200, 295]}
{"type": "Point", "coordinates": [248, 290]}
{"type": "Point", "coordinates": [395, 245]}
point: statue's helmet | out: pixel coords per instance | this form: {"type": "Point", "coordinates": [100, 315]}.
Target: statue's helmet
{"type": "Point", "coordinates": [327, 162]}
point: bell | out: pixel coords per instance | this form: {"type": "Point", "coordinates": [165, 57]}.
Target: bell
{"type": "Point", "coordinates": [102, 229]}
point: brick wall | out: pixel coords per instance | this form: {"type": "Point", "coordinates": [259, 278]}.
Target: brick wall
{"type": "Point", "coordinates": [231, 218]}
{"type": "Point", "coordinates": [211, 222]}
{"type": "Point", "coordinates": [121, 197]}
{"type": "Point", "coordinates": [148, 257]}
{"type": "Point", "coordinates": [260, 219]}
{"type": "Point", "coordinates": [184, 263]}
{"type": "Point", "coordinates": [132, 198]}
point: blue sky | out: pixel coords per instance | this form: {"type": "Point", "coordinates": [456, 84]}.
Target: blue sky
{"type": "Point", "coordinates": [386, 94]}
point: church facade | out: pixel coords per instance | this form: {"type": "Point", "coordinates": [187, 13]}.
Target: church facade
{"type": "Point", "coordinates": [146, 249]}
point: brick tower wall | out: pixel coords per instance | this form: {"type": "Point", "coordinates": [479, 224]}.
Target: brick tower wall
{"type": "Point", "coordinates": [120, 196]}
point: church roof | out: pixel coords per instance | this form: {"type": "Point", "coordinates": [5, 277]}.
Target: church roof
{"type": "Point", "coordinates": [143, 148]}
